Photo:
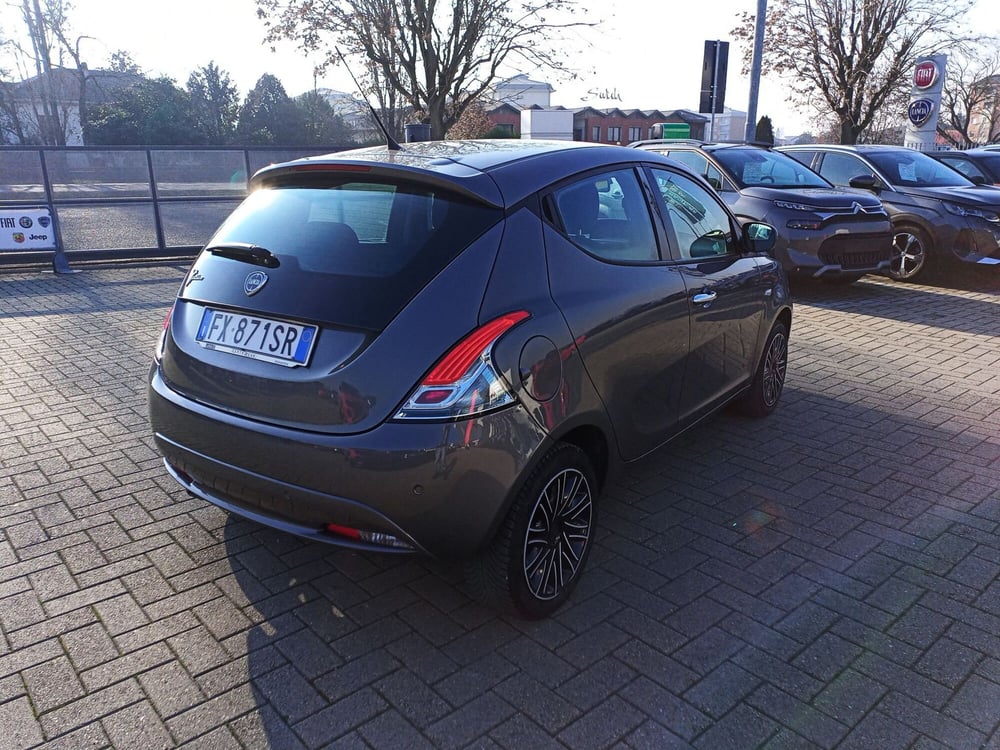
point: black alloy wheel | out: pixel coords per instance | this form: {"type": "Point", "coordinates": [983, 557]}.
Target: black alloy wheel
{"type": "Point", "coordinates": [538, 555]}
{"type": "Point", "coordinates": [769, 380]}
{"type": "Point", "coordinates": [910, 248]}
{"type": "Point", "coordinates": [558, 534]}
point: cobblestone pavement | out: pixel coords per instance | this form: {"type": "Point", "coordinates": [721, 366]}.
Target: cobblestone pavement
{"type": "Point", "coordinates": [824, 578]}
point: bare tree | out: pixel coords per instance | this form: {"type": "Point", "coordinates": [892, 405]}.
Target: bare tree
{"type": "Point", "coordinates": [53, 67]}
{"type": "Point", "coordinates": [851, 58]}
{"type": "Point", "coordinates": [438, 57]}
{"type": "Point", "coordinates": [970, 101]}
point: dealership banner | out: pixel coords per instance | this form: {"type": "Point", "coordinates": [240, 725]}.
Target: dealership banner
{"type": "Point", "coordinates": [26, 229]}
{"type": "Point", "coordinates": [925, 102]}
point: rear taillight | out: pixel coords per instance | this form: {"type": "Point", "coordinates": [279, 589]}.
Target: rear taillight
{"type": "Point", "coordinates": [162, 342]}
{"type": "Point", "coordinates": [464, 382]}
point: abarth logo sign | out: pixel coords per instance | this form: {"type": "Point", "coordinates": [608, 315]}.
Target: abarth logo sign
{"type": "Point", "coordinates": [920, 111]}
{"type": "Point", "coordinates": [254, 283]}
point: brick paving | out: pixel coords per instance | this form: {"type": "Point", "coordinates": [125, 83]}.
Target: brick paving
{"type": "Point", "coordinates": [825, 578]}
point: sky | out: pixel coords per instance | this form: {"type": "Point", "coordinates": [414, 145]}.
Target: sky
{"type": "Point", "coordinates": [641, 55]}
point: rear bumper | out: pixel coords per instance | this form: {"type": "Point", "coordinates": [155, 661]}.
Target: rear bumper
{"type": "Point", "coordinates": [441, 489]}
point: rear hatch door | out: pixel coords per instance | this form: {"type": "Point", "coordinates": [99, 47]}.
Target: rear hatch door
{"type": "Point", "coordinates": [324, 298]}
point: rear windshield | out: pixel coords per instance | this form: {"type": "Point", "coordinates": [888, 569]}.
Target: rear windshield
{"type": "Point", "coordinates": [757, 166]}
{"type": "Point", "coordinates": [383, 241]}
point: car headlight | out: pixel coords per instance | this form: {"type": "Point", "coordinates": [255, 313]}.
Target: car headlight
{"type": "Point", "coordinates": [980, 213]}
{"type": "Point", "coordinates": [794, 206]}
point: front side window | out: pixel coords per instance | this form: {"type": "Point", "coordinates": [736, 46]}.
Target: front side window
{"type": "Point", "coordinates": [606, 214]}
{"type": "Point", "coordinates": [699, 225]}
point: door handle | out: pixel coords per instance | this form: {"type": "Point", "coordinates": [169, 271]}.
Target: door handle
{"type": "Point", "coordinates": [703, 298]}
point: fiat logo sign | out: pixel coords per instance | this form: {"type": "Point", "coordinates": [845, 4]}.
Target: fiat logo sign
{"type": "Point", "coordinates": [925, 75]}
{"type": "Point", "coordinates": [920, 111]}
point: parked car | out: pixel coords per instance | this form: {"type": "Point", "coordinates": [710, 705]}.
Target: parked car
{"type": "Point", "coordinates": [446, 349]}
{"type": "Point", "coordinates": [937, 214]}
{"type": "Point", "coordinates": [980, 165]}
{"type": "Point", "coordinates": [824, 232]}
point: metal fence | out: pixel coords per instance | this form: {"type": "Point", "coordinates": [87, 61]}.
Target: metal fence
{"type": "Point", "coordinates": [129, 203]}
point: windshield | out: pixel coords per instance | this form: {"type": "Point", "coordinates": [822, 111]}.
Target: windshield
{"type": "Point", "coordinates": [913, 169]}
{"type": "Point", "coordinates": [756, 166]}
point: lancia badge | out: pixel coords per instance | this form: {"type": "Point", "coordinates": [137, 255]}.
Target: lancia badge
{"type": "Point", "coordinates": [254, 283]}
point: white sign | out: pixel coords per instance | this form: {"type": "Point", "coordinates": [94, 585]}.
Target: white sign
{"type": "Point", "coordinates": [26, 229]}
{"type": "Point", "coordinates": [925, 101]}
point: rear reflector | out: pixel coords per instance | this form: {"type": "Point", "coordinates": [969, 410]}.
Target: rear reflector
{"type": "Point", "coordinates": [368, 537]}
{"type": "Point", "coordinates": [343, 531]}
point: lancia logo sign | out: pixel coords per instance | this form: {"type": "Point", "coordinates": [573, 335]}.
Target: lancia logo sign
{"type": "Point", "coordinates": [925, 75]}
{"type": "Point", "coordinates": [920, 111]}
{"type": "Point", "coordinates": [254, 283]}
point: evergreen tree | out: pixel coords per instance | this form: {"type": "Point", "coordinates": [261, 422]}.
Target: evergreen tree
{"type": "Point", "coordinates": [269, 117]}
{"type": "Point", "coordinates": [765, 131]}
{"type": "Point", "coordinates": [151, 112]}
{"type": "Point", "coordinates": [214, 104]}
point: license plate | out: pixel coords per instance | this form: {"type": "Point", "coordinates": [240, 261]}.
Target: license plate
{"type": "Point", "coordinates": [277, 341]}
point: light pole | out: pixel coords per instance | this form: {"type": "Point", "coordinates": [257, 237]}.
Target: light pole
{"type": "Point", "coordinates": [755, 66]}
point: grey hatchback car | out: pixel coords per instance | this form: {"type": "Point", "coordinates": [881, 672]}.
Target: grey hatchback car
{"type": "Point", "coordinates": [445, 349]}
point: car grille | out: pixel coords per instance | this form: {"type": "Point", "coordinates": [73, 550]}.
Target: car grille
{"type": "Point", "coordinates": [852, 252]}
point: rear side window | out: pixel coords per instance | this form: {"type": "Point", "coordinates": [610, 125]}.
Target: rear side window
{"type": "Point", "coordinates": [370, 245]}
{"type": "Point", "coordinates": [606, 214]}
{"type": "Point", "coordinates": [700, 165]}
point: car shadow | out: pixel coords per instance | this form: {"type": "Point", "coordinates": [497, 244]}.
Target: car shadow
{"type": "Point", "coordinates": [345, 645]}
{"type": "Point", "coordinates": [946, 304]}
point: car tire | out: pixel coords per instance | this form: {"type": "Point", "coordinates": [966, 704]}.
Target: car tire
{"type": "Point", "coordinates": [538, 554]}
{"type": "Point", "coordinates": [769, 379]}
{"type": "Point", "coordinates": [911, 249]}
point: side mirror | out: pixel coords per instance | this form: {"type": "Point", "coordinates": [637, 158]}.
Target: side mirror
{"type": "Point", "coordinates": [759, 237]}
{"type": "Point", "coordinates": [709, 245]}
{"type": "Point", "coordinates": [866, 182]}
{"type": "Point", "coordinates": [978, 179]}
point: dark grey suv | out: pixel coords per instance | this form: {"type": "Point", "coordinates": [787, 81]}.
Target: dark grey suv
{"type": "Point", "coordinates": [446, 349]}
{"type": "Point", "coordinates": [937, 214]}
{"type": "Point", "coordinates": [824, 232]}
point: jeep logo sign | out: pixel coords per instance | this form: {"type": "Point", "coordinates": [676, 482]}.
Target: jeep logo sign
{"type": "Point", "coordinates": [925, 75]}
{"type": "Point", "coordinates": [920, 111]}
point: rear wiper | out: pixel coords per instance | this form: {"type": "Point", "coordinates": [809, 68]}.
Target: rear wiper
{"type": "Point", "coordinates": [246, 252]}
